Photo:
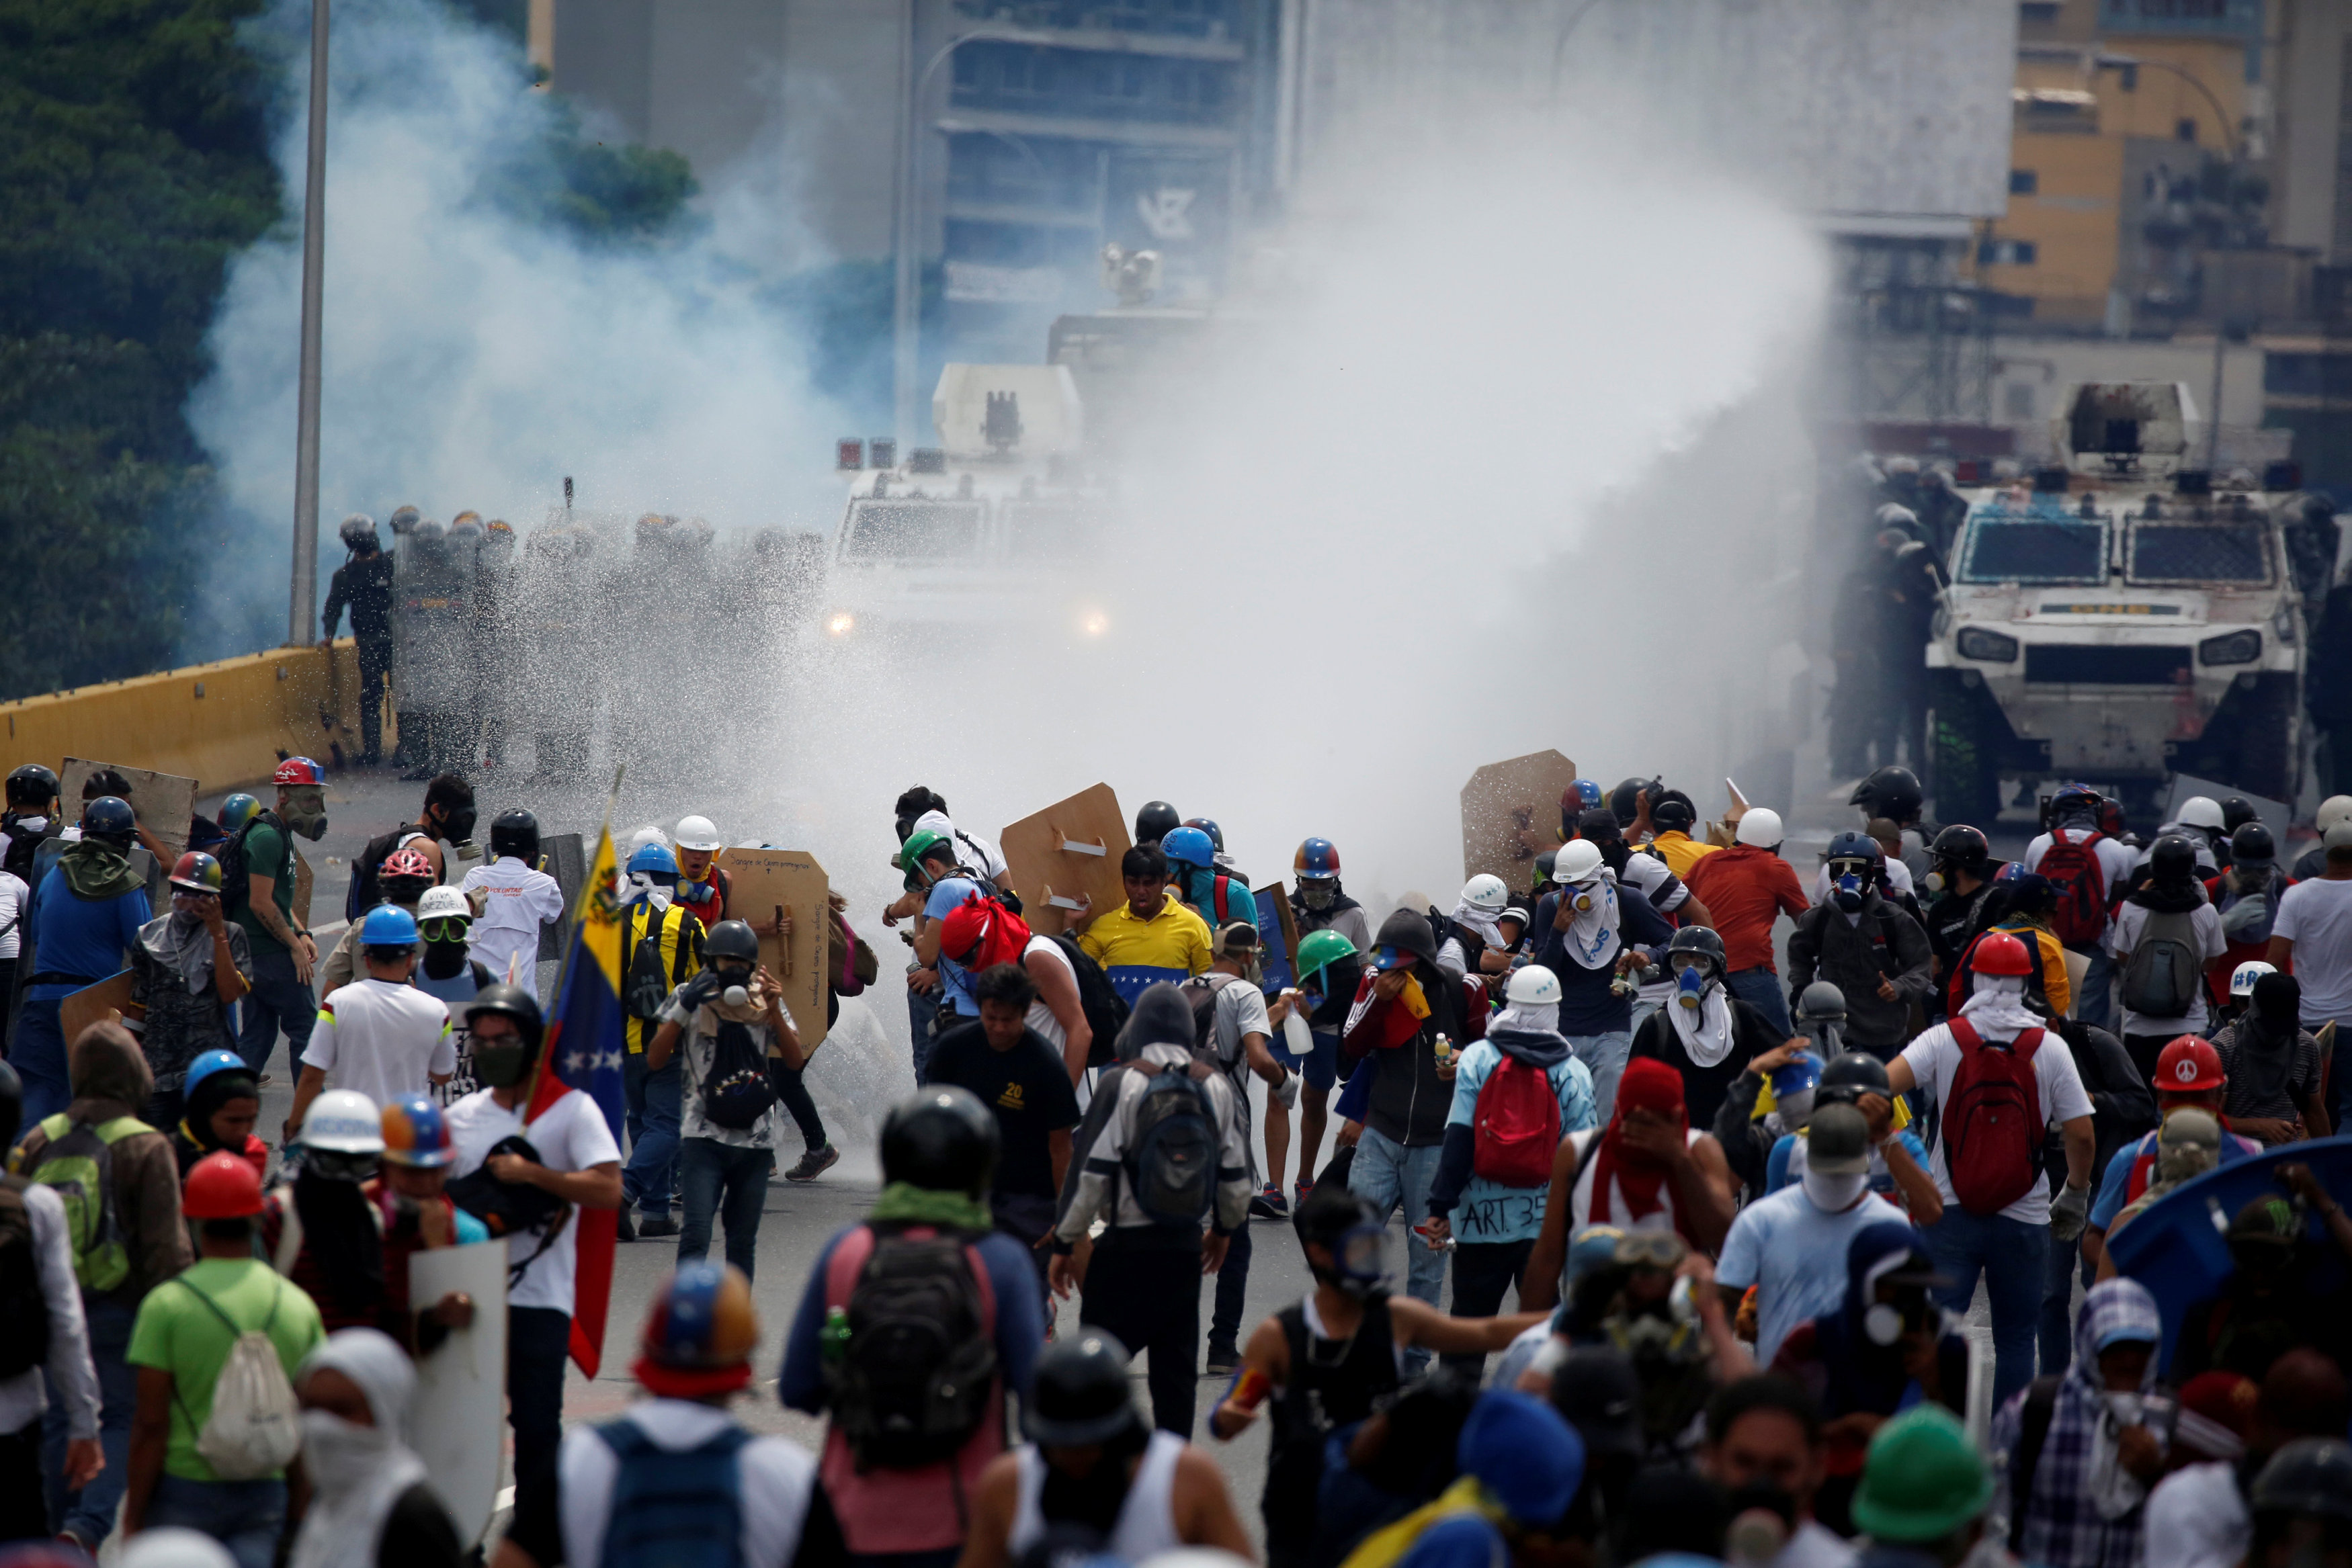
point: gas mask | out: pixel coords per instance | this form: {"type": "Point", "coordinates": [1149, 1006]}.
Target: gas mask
{"type": "Point", "coordinates": [1358, 1268]}
{"type": "Point", "coordinates": [304, 811]}
{"type": "Point", "coordinates": [1584, 897]}
{"type": "Point", "coordinates": [457, 826]}
{"type": "Point", "coordinates": [1885, 1322]}
{"type": "Point", "coordinates": [1690, 989]}
{"type": "Point", "coordinates": [1937, 881]}
{"type": "Point", "coordinates": [1318, 892]}
{"type": "Point", "coordinates": [1666, 1329]}
{"type": "Point", "coordinates": [735, 987]}
{"type": "Point", "coordinates": [1848, 892]}
{"type": "Point", "coordinates": [335, 1164]}
{"type": "Point", "coordinates": [501, 1065]}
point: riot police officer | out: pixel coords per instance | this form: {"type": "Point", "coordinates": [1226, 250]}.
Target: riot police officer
{"type": "Point", "coordinates": [363, 582]}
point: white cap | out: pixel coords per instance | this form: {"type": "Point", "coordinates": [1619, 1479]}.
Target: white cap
{"type": "Point", "coordinates": [440, 903]}
{"type": "Point", "coordinates": [2339, 837]}
{"type": "Point", "coordinates": [1485, 893]}
{"type": "Point", "coordinates": [699, 833]}
{"type": "Point", "coordinates": [2334, 809]}
{"type": "Point", "coordinates": [1759, 826]}
{"type": "Point", "coordinates": [1532, 985]}
{"type": "Point", "coordinates": [343, 1122]}
{"type": "Point", "coordinates": [2201, 812]}
{"type": "Point", "coordinates": [1576, 862]}
{"type": "Point", "coordinates": [2243, 978]}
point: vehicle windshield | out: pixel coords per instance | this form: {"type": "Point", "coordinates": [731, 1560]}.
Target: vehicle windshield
{"type": "Point", "coordinates": [2035, 550]}
{"type": "Point", "coordinates": [912, 530]}
{"type": "Point", "coordinates": [2198, 552]}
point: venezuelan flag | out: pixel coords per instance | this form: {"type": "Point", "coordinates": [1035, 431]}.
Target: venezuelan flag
{"type": "Point", "coordinates": [583, 1054]}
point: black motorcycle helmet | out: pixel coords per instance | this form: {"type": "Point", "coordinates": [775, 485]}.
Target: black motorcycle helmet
{"type": "Point", "coordinates": [1962, 847]}
{"type": "Point", "coordinates": [1156, 822]}
{"type": "Point", "coordinates": [731, 939]}
{"type": "Point", "coordinates": [512, 1002]}
{"type": "Point", "coordinates": [2173, 858]}
{"type": "Point", "coordinates": [1821, 1002]}
{"type": "Point", "coordinates": [31, 786]}
{"type": "Point", "coordinates": [1625, 800]}
{"type": "Point", "coordinates": [2253, 843]}
{"type": "Point", "coordinates": [1698, 941]}
{"type": "Point", "coordinates": [1672, 812]}
{"type": "Point", "coordinates": [2236, 812]}
{"type": "Point", "coordinates": [515, 833]}
{"type": "Point", "coordinates": [941, 1140]}
{"type": "Point", "coordinates": [1891, 792]}
{"type": "Point", "coordinates": [1079, 1394]}
{"type": "Point", "coordinates": [1849, 1076]}
{"type": "Point", "coordinates": [2307, 1476]}
{"type": "Point", "coordinates": [110, 820]}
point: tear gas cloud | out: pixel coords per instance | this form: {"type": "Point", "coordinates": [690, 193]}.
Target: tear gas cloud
{"type": "Point", "coordinates": [1509, 458]}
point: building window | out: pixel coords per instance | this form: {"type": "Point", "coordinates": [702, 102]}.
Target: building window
{"type": "Point", "coordinates": [2023, 182]}
{"type": "Point", "coordinates": [2005, 253]}
{"type": "Point", "coordinates": [2038, 13]}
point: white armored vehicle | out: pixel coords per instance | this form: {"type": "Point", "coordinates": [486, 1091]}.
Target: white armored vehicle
{"type": "Point", "coordinates": [2119, 617]}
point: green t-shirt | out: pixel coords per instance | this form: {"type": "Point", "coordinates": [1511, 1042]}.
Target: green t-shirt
{"type": "Point", "coordinates": [177, 1333]}
{"type": "Point", "coordinates": [266, 854]}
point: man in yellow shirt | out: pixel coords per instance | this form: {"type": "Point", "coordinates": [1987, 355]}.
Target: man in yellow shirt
{"type": "Point", "coordinates": [1149, 937]}
{"type": "Point", "coordinates": [1673, 818]}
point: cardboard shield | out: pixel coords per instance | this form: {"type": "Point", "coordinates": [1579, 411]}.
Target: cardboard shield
{"type": "Point", "coordinates": [1277, 937]}
{"type": "Point", "coordinates": [1068, 852]}
{"type": "Point", "coordinates": [564, 857]}
{"type": "Point", "coordinates": [1510, 814]}
{"type": "Point", "coordinates": [164, 801]}
{"type": "Point", "coordinates": [765, 882]}
{"type": "Point", "coordinates": [461, 1385]}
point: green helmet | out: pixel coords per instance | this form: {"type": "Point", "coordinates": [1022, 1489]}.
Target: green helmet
{"type": "Point", "coordinates": [909, 857]}
{"type": "Point", "coordinates": [1319, 949]}
{"type": "Point", "coordinates": [1923, 1479]}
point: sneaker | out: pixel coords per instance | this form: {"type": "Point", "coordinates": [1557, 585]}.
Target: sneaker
{"type": "Point", "coordinates": [654, 1225]}
{"type": "Point", "coordinates": [628, 1225]}
{"type": "Point", "coordinates": [815, 1164]}
{"type": "Point", "coordinates": [1303, 1188]}
{"type": "Point", "coordinates": [1268, 1204]}
{"type": "Point", "coordinates": [1224, 1361]}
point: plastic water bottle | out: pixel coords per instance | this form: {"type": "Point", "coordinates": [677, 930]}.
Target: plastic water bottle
{"type": "Point", "coordinates": [833, 1339]}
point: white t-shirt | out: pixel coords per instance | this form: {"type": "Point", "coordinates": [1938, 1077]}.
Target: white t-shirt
{"type": "Point", "coordinates": [971, 850]}
{"type": "Point", "coordinates": [572, 1136]}
{"type": "Point", "coordinates": [1935, 1058]}
{"type": "Point", "coordinates": [1795, 1255]}
{"type": "Point", "coordinates": [776, 1477]}
{"type": "Point", "coordinates": [2197, 1518]}
{"type": "Point", "coordinates": [1040, 1017]}
{"type": "Point", "coordinates": [697, 1044]}
{"type": "Point", "coordinates": [516, 901]}
{"type": "Point", "coordinates": [2205, 927]}
{"type": "Point", "coordinates": [2116, 861]}
{"type": "Point", "coordinates": [2316, 916]}
{"type": "Point", "coordinates": [1579, 1195]}
{"type": "Point", "coordinates": [15, 902]}
{"type": "Point", "coordinates": [386, 1040]}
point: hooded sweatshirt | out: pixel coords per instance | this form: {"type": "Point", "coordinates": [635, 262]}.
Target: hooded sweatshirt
{"type": "Point", "coordinates": [110, 1080]}
{"type": "Point", "coordinates": [1483, 1210]}
{"type": "Point", "coordinates": [2079, 1511]}
{"type": "Point", "coordinates": [1410, 1102]}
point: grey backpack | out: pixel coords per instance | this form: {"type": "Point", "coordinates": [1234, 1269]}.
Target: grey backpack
{"type": "Point", "coordinates": [2161, 979]}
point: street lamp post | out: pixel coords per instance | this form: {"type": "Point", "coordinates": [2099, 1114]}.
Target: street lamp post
{"type": "Point", "coordinates": [302, 609]}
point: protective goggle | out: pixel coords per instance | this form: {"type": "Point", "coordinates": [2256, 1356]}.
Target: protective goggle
{"type": "Point", "coordinates": [335, 1165]}
{"type": "Point", "coordinates": [1651, 1250]}
{"type": "Point", "coordinates": [446, 928]}
{"type": "Point", "coordinates": [1852, 867]}
{"type": "Point", "coordinates": [1359, 1252]}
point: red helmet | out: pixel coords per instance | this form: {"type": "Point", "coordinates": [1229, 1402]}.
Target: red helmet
{"type": "Point", "coordinates": [299, 771]}
{"type": "Point", "coordinates": [221, 1185]}
{"type": "Point", "coordinates": [2187, 1065]}
{"type": "Point", "coordinates": [407, 863]}
{"type": "Point", "coordinates": [1999, 953]}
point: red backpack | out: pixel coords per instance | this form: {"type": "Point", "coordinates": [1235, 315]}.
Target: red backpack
{"type": "Point", "coordinates": [979, 932]}
{"type": "Point", "coordinates": [2071, 867]}
{"type": "Point", "coordinates": [1992, 1125]}
{"type": "Point", "coordinates": [1516, 1126]}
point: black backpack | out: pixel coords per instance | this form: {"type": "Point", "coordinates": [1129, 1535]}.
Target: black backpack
{"type": "Point", "coordinates": [1473, 946]}
{"type": "Point", "coordinates": [23, 845]}
{"type": "Point", "coordinates": [648, 981]}
{"type": "Point", "coordinates": [24, 1310]}
{"type": "Point", "coordinates": [1106, 1010]}
{"type": "Point", "coordinates": [1202, 991]}
{"type": "Point", "coordinates": [736, 1092]}
{"type": "Point", "coordinates": [915, 1381]}
{"type": "Point", "coordinates": [1172, 1149]}
{"type": "Point", "coordinates": [362, 896]}
{"type": "Point", "coordinates": [236, 872]}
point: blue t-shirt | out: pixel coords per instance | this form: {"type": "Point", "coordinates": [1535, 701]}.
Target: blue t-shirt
{"type": "Point", "coordinates": [947, 895]}
{"type": "Point", "coordinates": [82, 936]}
{"type": "Point", "coordinates": [2114, 1182]}
{"type": "Point", "coordinates": [1779, 1172]}
{"type": "Point", "coordinates": [1488, 1211]}
{"type": "Point", "coordinates": [1796, 1254]}
{"type": "Point", "coordinates": [1019, 1322]}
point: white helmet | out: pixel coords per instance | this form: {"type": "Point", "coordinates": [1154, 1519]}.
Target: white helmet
{"type": "Point", "coordinates": [440, 903]}
{"type": "Point", "coordinates": [1576, 862]}
{"type": "Point", "coordinates": [641, 838]}
{"type": "Point", "coordinates": [1532, 985]}
{"type": "Point", "coordinates": [1759, 826]}
{"type": "Point", "coordinates": [343, 1122]}
{"type": "Point", "coordinates": [2243, 978]}
{"type": "Point", "coordinates": [172, 1547]}
{"type": "Point", "coordinates": [700, 833]}
{"type": "Point", "coordinates": [1486, 893]}
{"type": "Point", "coordinates": [2201, 812]}
{"type": "Point", "coordinates": [2334, 809]}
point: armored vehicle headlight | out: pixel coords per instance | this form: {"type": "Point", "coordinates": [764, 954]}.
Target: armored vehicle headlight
{"type": "Point", "coordinates": [1976, 643]}
{"type": "Point", "coordinates": [2234, 648]}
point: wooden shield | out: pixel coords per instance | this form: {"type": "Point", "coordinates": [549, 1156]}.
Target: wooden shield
{"type": "Point", "coordinates": [1510, 814]}
{"type": "Point", "coordinates": [764, 881]}
{"type": "Point", "coordinates": [162, 801]}
{"type": "Point", "coordinates": [1070, 849]}
{"type": "Point", "coordinates": [91, 1004]}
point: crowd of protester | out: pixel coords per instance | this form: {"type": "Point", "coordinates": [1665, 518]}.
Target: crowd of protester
{"type": "Point", "coordinates": [1695, 1202]}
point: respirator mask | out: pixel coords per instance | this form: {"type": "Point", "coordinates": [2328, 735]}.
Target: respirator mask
{"type": "Point", "coordinates": [1584, 898]}
{"type": "Point", "coordinates": [1849, 884]}
{"type": "Point", "coordinates": [1690, 989]}
{"type": "Point", "coordinates": [1358, 1266]}
{"type": "Point", "coordinates": [305, 811]}
{"type": "Point", "coordinates": [1885, 1322]}
{"type": "Point", "coordinates": [1318, 892]}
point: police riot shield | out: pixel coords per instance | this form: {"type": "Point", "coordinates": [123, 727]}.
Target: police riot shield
{"type": "Point", "coordinates": [431, 581]}
{"type": "Point", "coordinates": [552, 613]}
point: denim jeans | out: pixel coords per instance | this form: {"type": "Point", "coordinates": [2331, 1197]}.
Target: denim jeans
{"type": "Point", "coordinates": [277, 1000]}
{"type": "Point", "coordinates": [651, 1175]}
{"type": "Point", "coordinates": [1760, 989]}
{"type": "Point", "coordinates": [2095, 1004]}
{"type": "Point", "coordinates": [1232, 1281]}
{"type": "Point", "coordinates": [37, 1051]}
{"type": "Point", "coordinates": [1391, 1176]}
{"type": "Point", "coordinates": [922, 1012]}
{"type": "Point", "coordinates": [1482, 1272]}
{"type": "Point", "coordinates": [246, 1517]}
{"type": "Point", "coordinates": [89, 1512]}
{"type": "Point", "coordinates": [2066, 1260]}
{"type": "Point", "coordinates": [1604, 1056]}
{"type": "Point", "coordinates": [730, 1182]}
{"type": "Point", "coordinates": [2013, 1258]}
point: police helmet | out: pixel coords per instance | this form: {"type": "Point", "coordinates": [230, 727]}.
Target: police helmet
{"type": "Point", "coordinates": [358, 533]}
{"type": "Point", "coordinates": [941, 1140]}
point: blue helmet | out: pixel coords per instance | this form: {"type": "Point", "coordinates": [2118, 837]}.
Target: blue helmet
{"type": "Point", "coordinates": [109, 817]}
{"type": "Point", "coordinates": [237, 811]}
{"type": "Point", "coordinates": [1315, 858]}
{"type": "Point", "coordinates": [388, 925]}
{"type": "Point", "coordinates": [1188, 846]}
{"type": "Point", "coordinates": [1216, 835]}
{"type": "Point", "coordinates": [1587, 792]}
{"type": "Point", "coordinates": [205, 1066]}
{"type": "Point", "coordinates": [652, 859]}
{"type": "Point", "coordinates": [1798, 1073]}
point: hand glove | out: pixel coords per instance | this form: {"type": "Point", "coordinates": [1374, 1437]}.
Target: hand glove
{"type": "Point", "coordinates": [701, 989]}
{"type": "Point", "coordinates": [1288, 1091]}
{"type": "Point", "coordinates": [2069, 1212]}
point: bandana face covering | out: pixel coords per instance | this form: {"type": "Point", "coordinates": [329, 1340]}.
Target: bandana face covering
{"type": "Point", "coordinates": [1318, 895]}
{"type": "Point", "coordinates": [1835, 1194]}
{"type": "Point", "coordinates": [642, 886]}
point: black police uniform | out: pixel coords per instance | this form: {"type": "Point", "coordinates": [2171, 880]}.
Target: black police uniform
{"type": "Point", "coordinates": [365, 583]}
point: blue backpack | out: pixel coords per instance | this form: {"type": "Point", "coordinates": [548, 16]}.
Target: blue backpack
{"type": "Point", "coordinates": [674, 1510]}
